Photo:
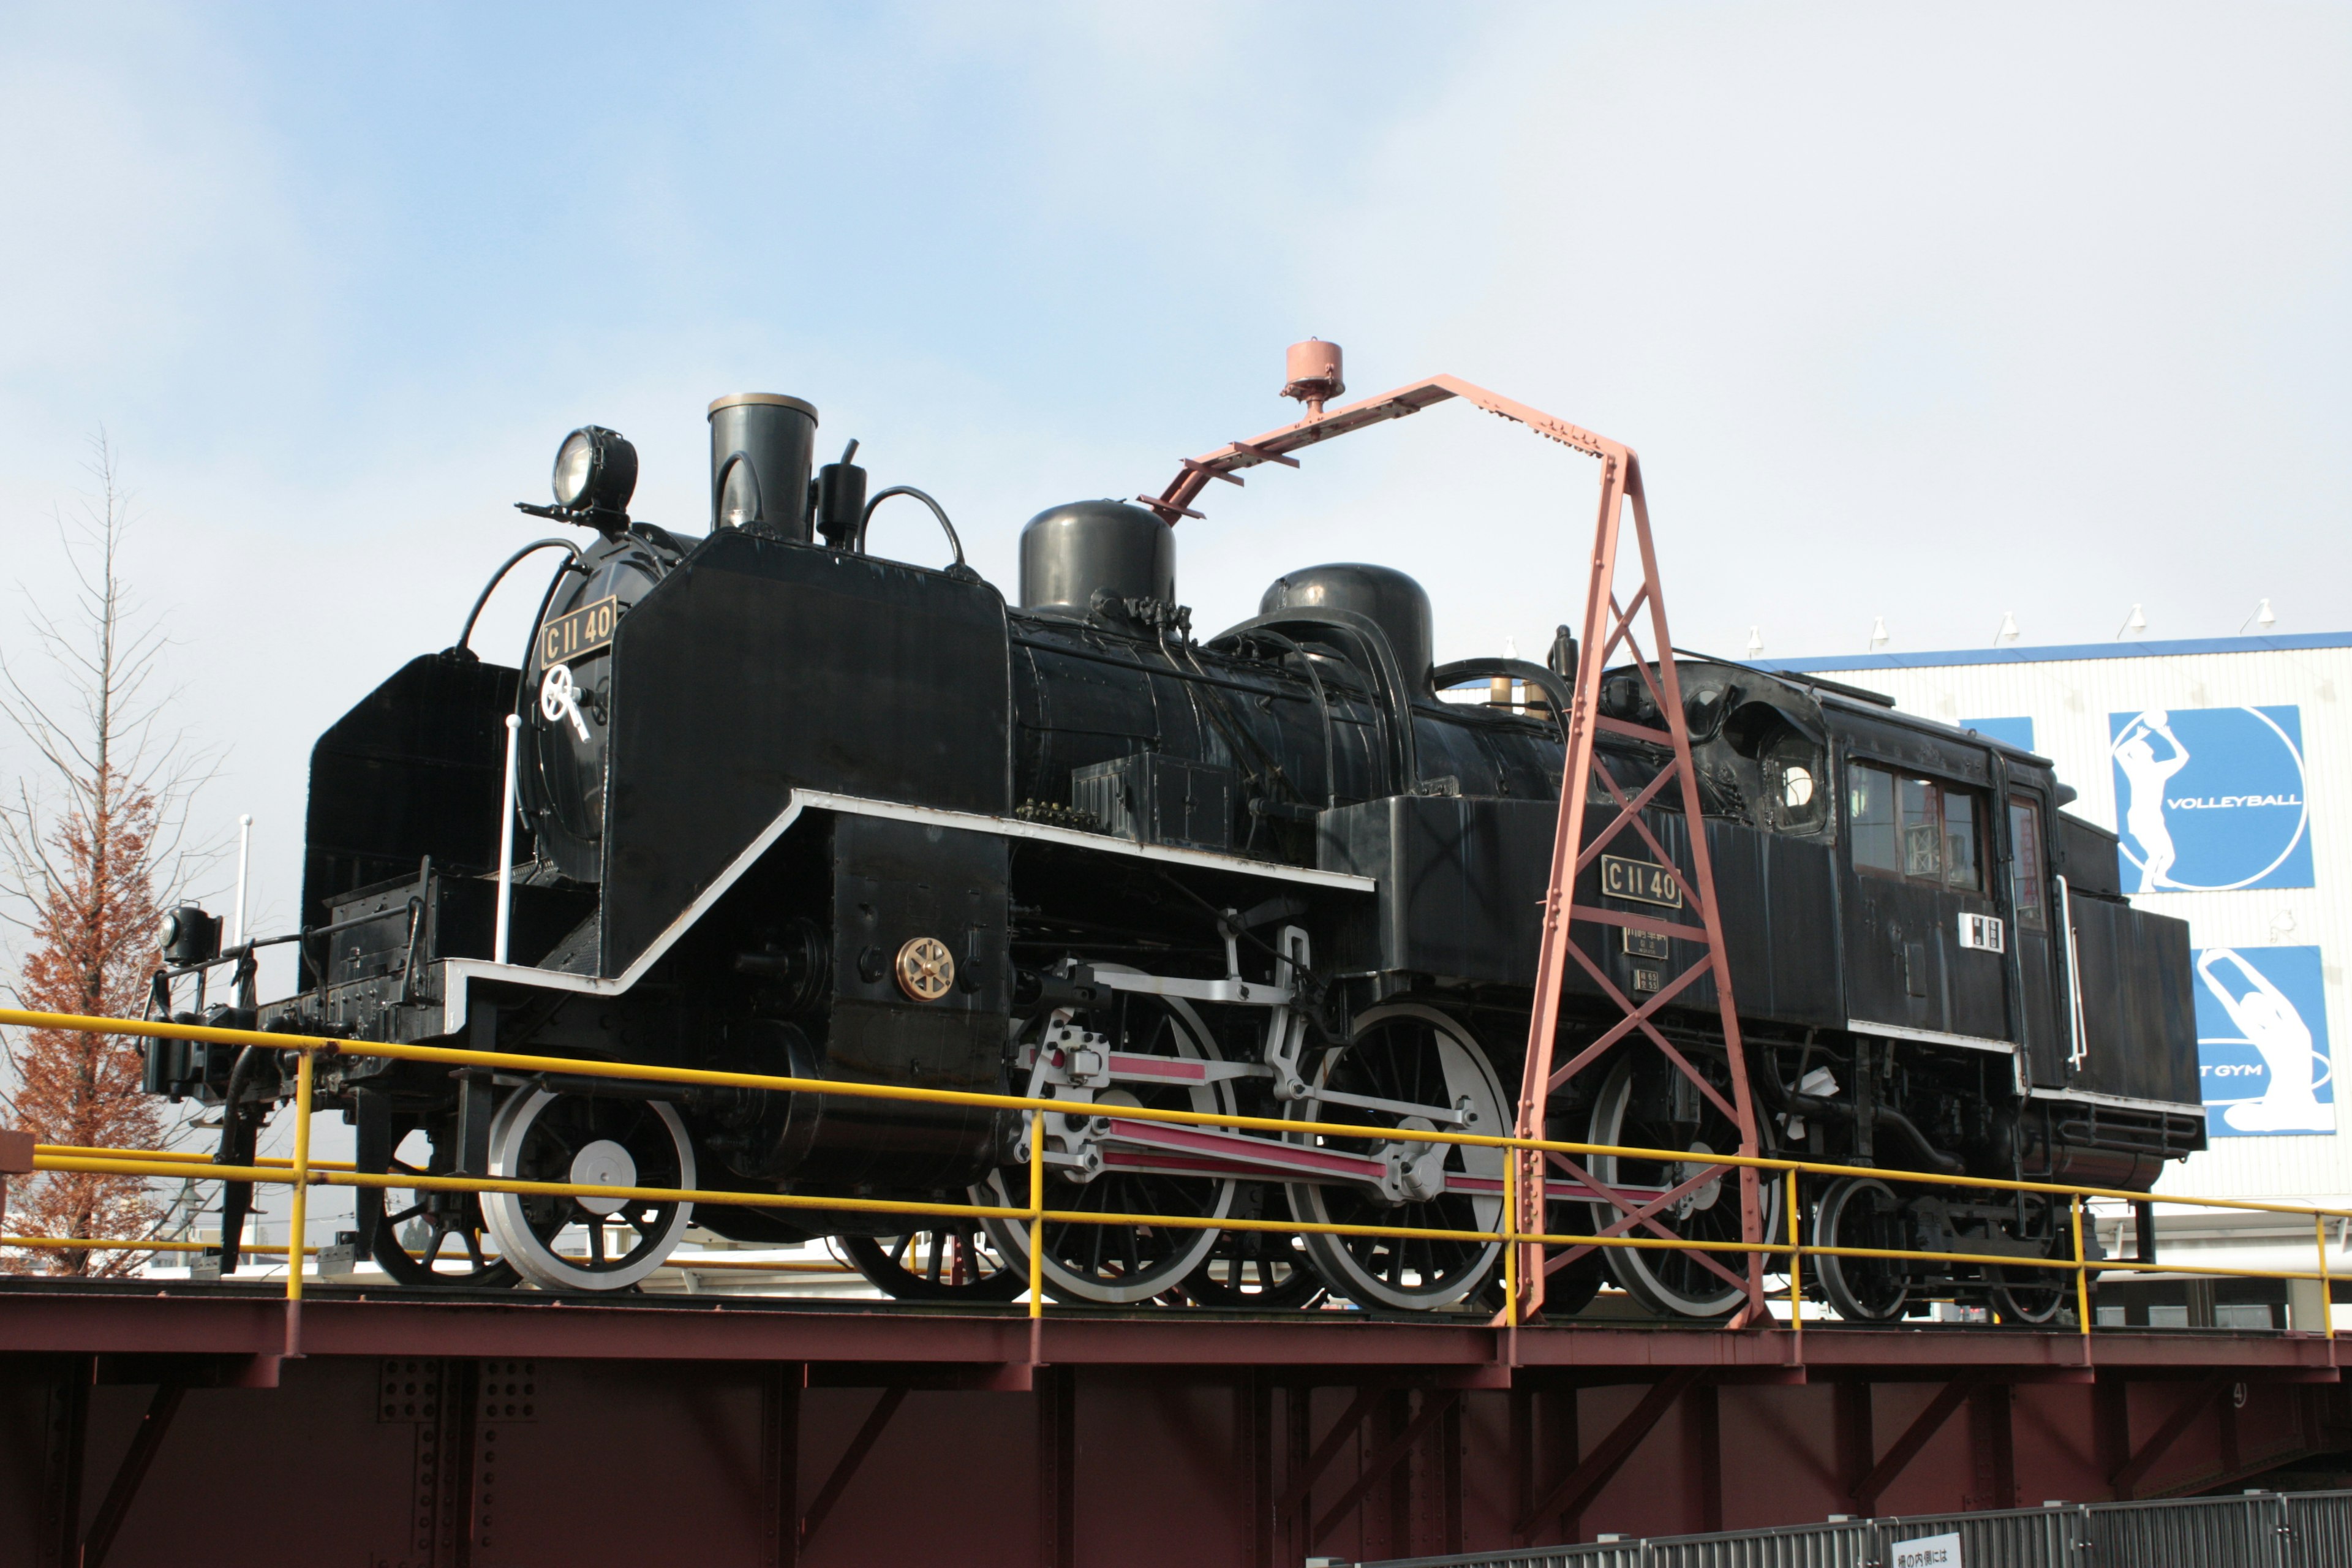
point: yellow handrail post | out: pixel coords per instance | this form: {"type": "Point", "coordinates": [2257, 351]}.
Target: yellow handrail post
{"type": "Point", "coordinates": [299, 1222]}
{"type": "Point", "coordinates": [1036, 1234]}
{"type": "Point", "coordinates": [1796, 1259]}
{"type": "Point", "coordinates": [1511, 1244]}
{"type": "Point", "coordinates": [2327, 1288]}
{"type": "Point", "coordinates": [2081, 1268]}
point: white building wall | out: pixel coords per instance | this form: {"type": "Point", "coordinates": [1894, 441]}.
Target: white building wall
{"type": "Point", "coordinates": [2069, 700]}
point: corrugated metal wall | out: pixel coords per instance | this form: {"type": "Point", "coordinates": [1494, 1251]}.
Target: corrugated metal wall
{"type": "Point", "coordinates": [2257, 1530]}
{"type": "Point", "coordinates": [2069, 701]}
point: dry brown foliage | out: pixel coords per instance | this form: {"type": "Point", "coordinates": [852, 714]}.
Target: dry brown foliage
{"type": "Point", "coordinates": [88, 847]}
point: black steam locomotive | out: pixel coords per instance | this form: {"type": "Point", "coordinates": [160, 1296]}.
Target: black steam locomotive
{"type": "Point", "coordinates": [792, 808]}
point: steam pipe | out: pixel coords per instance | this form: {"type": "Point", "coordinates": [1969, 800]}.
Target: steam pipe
{"type": "Point", "coordinates": [499, 576]}
{"type": "Point", "coordinates": [937, 511]}
{"type": "Point", "coordinates": [1542, 678]}
{"type": "Point", "coordinates": [1781, 1096]}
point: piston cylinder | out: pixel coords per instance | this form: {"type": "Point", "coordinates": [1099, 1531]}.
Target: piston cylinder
{"type": "Point", "coordinates": [763, 444]}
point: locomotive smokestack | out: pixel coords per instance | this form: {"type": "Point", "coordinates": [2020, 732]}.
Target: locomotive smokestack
{"type": "Point", "coordinates": [762, 448]}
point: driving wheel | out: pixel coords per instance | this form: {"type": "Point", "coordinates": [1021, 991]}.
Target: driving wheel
{"type": "Point", "coordinates": [1411, 1055]}
{"type": "Point", "coordinates": [1637, 1110]}
{"type": "Point", "coordinates": [1260, 1270]}
{"type": "Point", "coordinates": [425, 1237]}
{"type": "Point", "coordinates": [1122, 1262]}
{"type": "Point", "coordinates": [953, 1261]}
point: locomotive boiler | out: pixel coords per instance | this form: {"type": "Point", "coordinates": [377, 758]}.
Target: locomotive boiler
{"type": "Point", "coordinates": [781, 805]}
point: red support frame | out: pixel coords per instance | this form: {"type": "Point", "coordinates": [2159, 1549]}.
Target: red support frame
{"type": "Point", "coordinates": [1612, 625]}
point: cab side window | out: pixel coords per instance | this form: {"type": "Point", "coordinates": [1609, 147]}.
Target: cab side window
{"type": "Point", "coordinates": [1914, 827]}
{"type": "Point", "coordinates": [1795, 788]}
{"type": "Point", "coordinates": [2026, 870]}
{"type": "Point", "coordinates": [1961, 840]}
{"type": "Point", "coordinates": [1870, 817]}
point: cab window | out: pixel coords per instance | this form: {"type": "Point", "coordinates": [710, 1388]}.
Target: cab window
{"type": "Point", "coordinates": [2026, 877]}
{"type": "Point", "coordinates": [1797, 795]}
{"type": "Point", "coordinates": [1870, 817]}
{"type": "Point", "coordinates": [1913, 827]}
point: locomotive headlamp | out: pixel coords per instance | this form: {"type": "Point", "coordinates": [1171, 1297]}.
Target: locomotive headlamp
{"type": "Point", "coordinates": [596, 470]}
{"type": "Point", "coordinates": [188, 935]}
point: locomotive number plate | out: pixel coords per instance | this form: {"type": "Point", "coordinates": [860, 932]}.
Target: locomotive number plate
{"type": "Point", "coordinates": [1642, 880]}
{"type": "Point", "coordinates": [585, 629]}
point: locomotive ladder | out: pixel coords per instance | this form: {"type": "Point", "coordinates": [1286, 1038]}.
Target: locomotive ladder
{"type": "Point", "coordinates": [1609, 625]}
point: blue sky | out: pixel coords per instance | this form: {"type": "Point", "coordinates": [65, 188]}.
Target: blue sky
{"type": "Point", "coordinates": [1928, 314]}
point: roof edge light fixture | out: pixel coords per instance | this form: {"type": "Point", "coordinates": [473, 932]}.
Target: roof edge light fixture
{"type": "Point", "coordinates": [595, 474]}
{"type": "Point", "coordinates": [2134, 625]}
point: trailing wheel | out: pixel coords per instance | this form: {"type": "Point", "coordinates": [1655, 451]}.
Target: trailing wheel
{"type": "Point", "coordinates": [1860, 1211]}
{"type": "Point", "coordinates": [1413, 1055]}
{"type": "Point", "coordinates": [540, 1135]}
{"type": "Point", "coordinates": [1123, 1261]}
{"type": "Point", "coordinates": [1652, 1111]}
{"type": "Point", "coordinates": [2025, 1295]}
{"type": "Point", "coordinates": [954, 1261]}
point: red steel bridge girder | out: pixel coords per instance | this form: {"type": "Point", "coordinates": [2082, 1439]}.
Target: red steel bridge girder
{"type": "Point", "coordinates": [490, 1434]}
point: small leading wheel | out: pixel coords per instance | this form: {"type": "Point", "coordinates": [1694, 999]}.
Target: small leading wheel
{"type": "Point", "coordinates": [1122, 1262]}
{"type": "Point", "coordinates": [540, 1135]}
{"type": "Point", "coordinates": [427, 1237]}
{"type": "Point", "coordinates": [956, 1261]}
{"type": "Point", "coordinates": [1638, 1114]}
{"type": "Point", "coordinates": [1259, 1270]}
{"type": "Point", "coordinates": [1416, 1055]}
{"type": "Point", "coordinates": [1860, 1211]}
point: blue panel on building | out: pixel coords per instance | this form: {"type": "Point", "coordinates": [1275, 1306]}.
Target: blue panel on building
{"type": "Point", "coordinates": [2262, 1042]}
{"type": "Point", "coordinates": [2210, 798]}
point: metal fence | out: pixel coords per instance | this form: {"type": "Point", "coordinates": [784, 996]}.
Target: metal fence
{"type": "Point", "coordinates": [2246, 1532]}
{"type": "Point", "coordinates": [1850, 1543]}
{"type": "Point", "coordinates": [2318, 1529]}
{"type": "Point", "coordinates": [2254, 1530]}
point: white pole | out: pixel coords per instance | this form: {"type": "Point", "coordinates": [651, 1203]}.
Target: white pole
{"type": "Point", "coordinates": [244, 859]}
{"type": "Point", "coordinates": [506, 842]}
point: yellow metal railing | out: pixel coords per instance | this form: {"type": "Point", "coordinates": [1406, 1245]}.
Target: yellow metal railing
{"type": "Point", "coordinates": [682, 1261]}
{"type": "Point", "coordinates": [302, 1173]}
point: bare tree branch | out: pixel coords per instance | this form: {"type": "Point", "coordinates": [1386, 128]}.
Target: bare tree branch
{"type": "Point", "coordinates": [92, 844]}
